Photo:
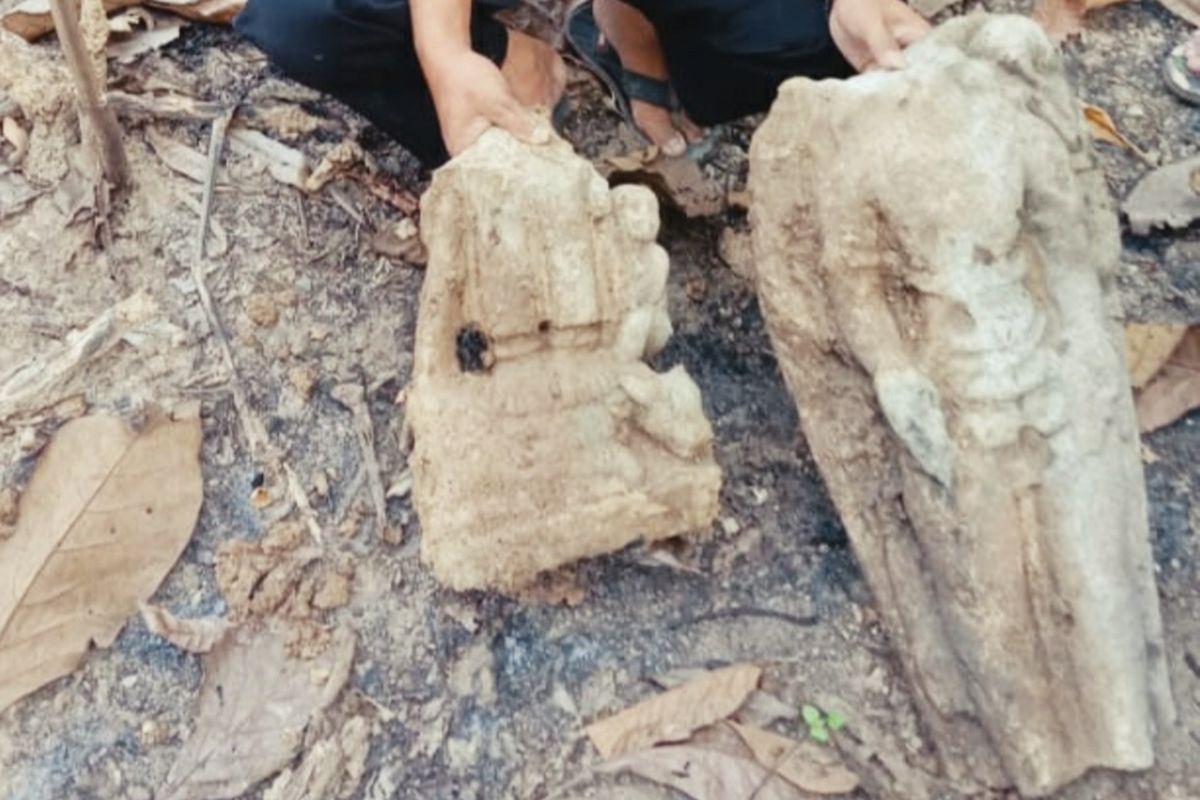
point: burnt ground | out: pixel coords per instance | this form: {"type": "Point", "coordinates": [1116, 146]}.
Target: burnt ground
{"type": "Point", "coordinates": [773, 582]}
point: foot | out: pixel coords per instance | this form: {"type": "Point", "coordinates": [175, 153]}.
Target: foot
{"type": "Point", "coordinates": [534, 70]}
{"type": "Point", "coordinates": [637, 44]}
{"type": "Point", "coordinates": [1182, 69]}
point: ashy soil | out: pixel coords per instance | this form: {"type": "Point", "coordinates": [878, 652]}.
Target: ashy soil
{"type": "Point", "coordinates": [477, 695]}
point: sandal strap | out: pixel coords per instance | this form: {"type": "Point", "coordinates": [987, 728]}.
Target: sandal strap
{"type": "Point", "coordinates": [654, 91]}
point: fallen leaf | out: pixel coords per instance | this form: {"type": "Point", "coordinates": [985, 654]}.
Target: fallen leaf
{"type": "Point", "coordinates": [678, 181]}
{"type": "Point", "coordinates": [1176, 390]}
{"type": "Point", "coordinates": [1165, 197]}
{"type": "Point", "coordinates": [764, 708]}
{"type": "Point", "coordinates": [803, 764]}
{"type": "Point", "coordinates": [676, 714]}
{"type": "Point", "coordinates": [219, 12]}
{"type": "Point", "coordinates": [197, 635]}
{"type": "Point", "coordinates": [126, 49]}
{"type": "Point", "coordinates": [343, 158]}
{"type": "Point", "coordinates": [1105, 130]}
{"type": "Point", "coordinates": [1147, 348]}
{"type": "Point", "coordinates": [388, 189]}
{"type": "Point", "coordinates": [15, 192]}
{"type": "Point", "coordinates": [1061, 19]}
{"type": "Point", "coordinates": [130, 20]}
{"type": "Point", "coordinates": [15, 135]}
{"type": "Point", "coordinates": [104, 518]}
{"type": "Point", "coordinates": [31, 19]}
{"type": "Point", "coordinates": [705, 774]}
{"type": "Point", "coordinates": [333, 767]}
{"type": "Point", "coordinates": [255, 704]}
{"type": "Point", "coordinates": [1184, 9]}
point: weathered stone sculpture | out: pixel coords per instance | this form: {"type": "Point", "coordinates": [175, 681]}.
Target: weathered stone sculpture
{"type": "Point", "coordinates": [936, 252]}
{"type": "Point", "coordinates": [541, 436]}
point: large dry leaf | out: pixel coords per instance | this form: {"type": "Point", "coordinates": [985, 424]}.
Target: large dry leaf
{"type": "Point", "coordinates": [255, 705]}
{"type": "Point", "coordinates": [805, 764]}
{"type": "Point", "coordinates": [704, 774]}
{"type": "Point", "coordinates": [333, 767]}
{"type": "Point", "coordinates": [197, 635]}
{"type": "Point", "coordinates": [106, 515]}
{"type": "Point", "coordinates": [674, 715]}
{"type": "Point", "coordinates": [1064, 18]}
{"type": "Point", "coordinates": [1176, 390]}
{"type": "Point", "coordinates": [1147, 348]}
{"type": "Point", "coordinates": [31, 19]}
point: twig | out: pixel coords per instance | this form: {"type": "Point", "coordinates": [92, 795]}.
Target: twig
{"type": "Point", "coordinates": [351, 395]}
{"type": "Point", "coordinates": [90, 91]}
{"type": "Point", "coordinates": [216, 143]}
{"type": "Point", "coordinates": [36, 378]}
{"type": "Point", "coordinates": [168, 106]}
{"type": "Point", "coordinates": [252, 427]}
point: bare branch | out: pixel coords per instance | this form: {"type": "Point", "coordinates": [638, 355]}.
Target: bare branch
{"type": "Point", "coordinates": [89, 88]}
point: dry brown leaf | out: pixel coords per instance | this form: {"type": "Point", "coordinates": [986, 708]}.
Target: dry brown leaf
{"type": "Point", "coordinates": [15, 135]}
{"type": "Point", "coordinates": [255, 705]}
{"type": "Point", "coordinates": [127, 48]}
{"type": "Point", "coordinates": [106, 515]}
{"type": "Point", "coordinates": [198, 635]}
{"type": "Point", "coordinates": [333, 767]}
{"type": "Point", "coordinates": [678, 181]}
{"type": "Point", "coordinates": [807, 765]}
{"type": "Point", "coordinates": [1061, 18]}
{"type": "Point", "coordinates": [1147, 348]}
{"type": "Point", "coordinates": [31, 19]}
{"type": "Point", "coordinates": [343, 158]}
{"type": "Point", "coordinates": [1176, 390]}
{"type": "Point", "coordinates": [674, 715]}
{"type": "Point", "coordinates": [705, 774]}
{"type": "Point", "coordinates": [1105, 130]}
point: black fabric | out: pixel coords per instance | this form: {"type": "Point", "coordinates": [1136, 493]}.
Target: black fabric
{"type": "Point", "coordinates": [361, 52]}
{"type": "Point", "coordinates": [726, 57]}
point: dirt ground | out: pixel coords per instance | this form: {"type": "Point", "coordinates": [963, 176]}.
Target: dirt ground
{"type": "Point", "coordinates": [304, 296]}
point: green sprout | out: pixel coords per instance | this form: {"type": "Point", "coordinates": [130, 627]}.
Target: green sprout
{"type": "Point", "coordinates": [821, 723]}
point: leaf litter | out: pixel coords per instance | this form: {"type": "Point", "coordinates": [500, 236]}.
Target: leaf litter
{"type": "Point", "coordinates": [255, 704]}
{"type": "Point", "coordinates": [1175, 390]}
{"type": "Point", "coordinates": [686, 738]}
{"type": "Point", "coordinates": [105, 500]}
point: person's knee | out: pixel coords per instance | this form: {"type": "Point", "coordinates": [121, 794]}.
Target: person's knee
{"type": "Point", "coordinates": [299, 36]}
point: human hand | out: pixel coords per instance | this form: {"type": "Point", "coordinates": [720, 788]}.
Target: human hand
{"type": "Point", "coordinates": [471, 95]}
{"type": "Point", "coordinates": [872, 33]}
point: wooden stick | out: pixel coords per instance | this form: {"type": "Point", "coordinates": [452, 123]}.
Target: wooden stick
{"type": "Point", "coordinates": [89, 88]}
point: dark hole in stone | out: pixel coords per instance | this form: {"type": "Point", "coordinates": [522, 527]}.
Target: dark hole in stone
{"type": "Point", "coordinates": [544, 326]}
{"type": "Point", "coordinates": [258, 480]}
{"type": "Point", "coordinates": [471, 346]}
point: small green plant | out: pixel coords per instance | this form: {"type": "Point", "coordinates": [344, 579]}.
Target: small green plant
{"type": "Point", "coordinates": [821, 723]}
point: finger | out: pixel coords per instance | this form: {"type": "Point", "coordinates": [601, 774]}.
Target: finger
{"type": "Point", "coordinates": [520, 122]}
{"type": "Point", "coordinates": [910, 32]}
{"type": "Point", "coordinates": [885, 50]}
{"type": "Point", "coordinates": [466, 136]}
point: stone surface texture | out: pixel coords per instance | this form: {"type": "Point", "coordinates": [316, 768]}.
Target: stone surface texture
{"type": "Point", "coordinates": [936, 252]}
{"type": "Point", "coordinates": [541, 435]}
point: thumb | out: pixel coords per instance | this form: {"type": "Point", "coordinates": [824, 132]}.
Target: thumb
{"type": "Point", "coordinates": [521, 122]}
{"type": "Point", "coordinates": [885, 50]}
